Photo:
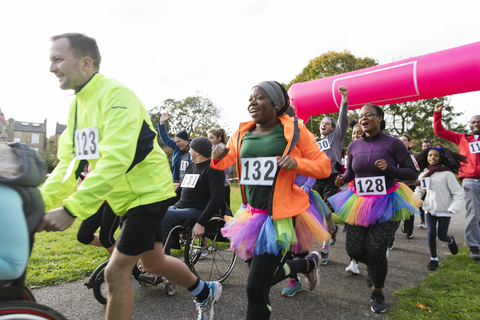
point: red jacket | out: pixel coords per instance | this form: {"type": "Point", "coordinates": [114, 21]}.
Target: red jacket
{"type": "Point", "coordinates": [470, 169]}
{"type": "Point", "coordinates": [288, 199]}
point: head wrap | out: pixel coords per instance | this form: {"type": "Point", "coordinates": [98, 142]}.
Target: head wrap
{"type": "Point", "coordinates": [274, 92]}
{"type": "Point", "coordinates": [202, 145]}
{"type": "Point", "coordinates": [182, 135]}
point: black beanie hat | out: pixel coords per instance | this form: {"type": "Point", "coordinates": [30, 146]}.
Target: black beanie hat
{"type": "Point", "coordinates": [182, 135]}
{"type": "Point", "coordinates": [202, 145]}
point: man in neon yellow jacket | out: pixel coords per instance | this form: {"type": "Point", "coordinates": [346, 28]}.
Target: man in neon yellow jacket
{"type": "Point", "coordinates": [109, 128]}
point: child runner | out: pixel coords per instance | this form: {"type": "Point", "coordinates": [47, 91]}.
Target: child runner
{"type": "Point", "coordinates": [444, 195]}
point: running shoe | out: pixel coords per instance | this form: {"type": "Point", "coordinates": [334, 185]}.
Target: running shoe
{"type": "Point", "coordinates": [205, 308]}
{"type": "Point", "coordinates": [293, 287]}
{"type": "Point", "coordinates": [453, 246]}
{"type": "Point", "coordinates": [311, 277]}
{"type": "Point", "coordinates": [352, 268]}
{"type": "Point", "coordinates": [378, 302]}
{"type": "Point", "coordinates": [324, 254]}
{"type": "Point", "coordinates": [333, 239]}
{"type": "Point", "coordinates": [474, 253]}
{"type": "Point", "coordinates": [433, 265]}
{"type": "Point", "coordinates": [422, 225]}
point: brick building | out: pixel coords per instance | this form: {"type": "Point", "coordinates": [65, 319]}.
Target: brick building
{"type": "Point", "coordinates": [32, 133]}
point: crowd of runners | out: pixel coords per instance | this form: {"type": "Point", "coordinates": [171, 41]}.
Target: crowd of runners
{"type": "Point", "coordinates": [291, 183]}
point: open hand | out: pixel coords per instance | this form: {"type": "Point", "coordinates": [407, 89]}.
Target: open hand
{"type": "Point", "coordinates": [165, 116]}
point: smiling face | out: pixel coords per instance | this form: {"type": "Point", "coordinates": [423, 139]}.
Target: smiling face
{"type": "Point", "coordinates": [326, 127]}
{"type": "Point", "coordinates": [181, 144]}
{"type": "Point", "coordinates": [357, 132]}
{"type": "Point", "coordinates": [261, 108]}
{"type": "Point", "coordinates": [475, 124]}
{"type": "Point", "coordinates": [72, 72]}
{"type": "Point", "coordinates": [433, 157]}
{"type": "Point", "coordinates": [213, 139]}
{"type": "Point", "coordinates": [371, 124]}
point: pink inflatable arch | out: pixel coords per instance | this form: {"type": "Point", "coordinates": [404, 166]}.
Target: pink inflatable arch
{"type": "Point", "coordinates": [442, 73]}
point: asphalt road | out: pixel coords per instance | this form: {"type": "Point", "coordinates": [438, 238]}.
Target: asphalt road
{"type": "Point", "coordinates": [338, 296]}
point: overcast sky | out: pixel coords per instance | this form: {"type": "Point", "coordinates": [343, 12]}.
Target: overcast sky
{"type": "Point", "coordinates": [174, 49]}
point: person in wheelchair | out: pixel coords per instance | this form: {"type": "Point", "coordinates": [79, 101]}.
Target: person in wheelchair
{"type": "Point", "coordinates": [21, 209]}
{"type": "Point", "coordinates": [200, 194]}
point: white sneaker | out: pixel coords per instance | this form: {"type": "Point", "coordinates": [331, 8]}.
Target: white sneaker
{"type": "Point", "coordinates": [352, 268]}
{"type": "Point", "coordinates": [203, 254]}
{"type": "Point", "coordinates": [205, 308]}
{"type": "Point", "coordinates": [422, 225]}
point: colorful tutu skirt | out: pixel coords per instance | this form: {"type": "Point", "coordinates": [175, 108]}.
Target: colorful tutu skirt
{"type": "Point", "coordinates": [253, 232]}
{"type": "Point", "coordinates": [398, 204]}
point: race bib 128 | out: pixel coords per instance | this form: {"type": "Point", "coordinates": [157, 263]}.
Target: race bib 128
{"type": "Point", "coordinates": [371, 186]}
{"type": "Point", "coordinates": [86, 143]}
{"type": "Point", "coordinates": [258, 171]}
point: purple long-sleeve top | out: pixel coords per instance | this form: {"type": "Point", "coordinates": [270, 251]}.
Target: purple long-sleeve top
{"type": "Point", "coordinates": [301, 180]}
{"type": "Point", "coordinates": [362, 154]}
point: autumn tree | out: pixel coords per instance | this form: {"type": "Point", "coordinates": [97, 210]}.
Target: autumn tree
{"type": "Point", "coordinates": [49, 155]}
{"type": "Point", "coordinates": [416, 119]}
{"type": "Point", "coordinates": [326, 65]}
{"type": "Point", "coordinates": [195, 114]}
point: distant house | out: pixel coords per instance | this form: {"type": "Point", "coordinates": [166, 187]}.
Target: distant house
{"type": "Point", "coordinates": [32, 133]}
{"type": "Point", "coordinates": [58, 131]}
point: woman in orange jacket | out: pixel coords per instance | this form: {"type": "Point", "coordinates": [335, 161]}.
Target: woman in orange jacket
{"type": "Point", "coordinates": [274, 218]}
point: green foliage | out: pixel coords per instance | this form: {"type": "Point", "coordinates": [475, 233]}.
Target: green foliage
{"type": "Point", "coordinates": [195, 114]}
{"type": "Point", "coordinates": [326, 65]}
{"type": "Point", "coordinates": [449, 293]}
{"type": "Point", "coordinates": [49, 155]}
{"type": "Point", "coordinates": [416, 119]}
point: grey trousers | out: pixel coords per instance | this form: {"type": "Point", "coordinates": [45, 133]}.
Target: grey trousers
{"type": "Point", "coordinates": [472, 216]}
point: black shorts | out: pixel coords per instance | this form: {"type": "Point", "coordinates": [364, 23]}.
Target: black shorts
{"type": "Point", "coordinates": [327, 188]}
{"type": "Point", "coordinates": [139, 228]}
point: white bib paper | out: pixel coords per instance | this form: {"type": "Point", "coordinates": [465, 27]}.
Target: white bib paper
{"type": "Point", "coordinates": [371, 186]}
{"type": "Point", "coordinates": [190, 180]}
{"type": "Point", "coordinates": [474, 147]}
{"type": "Point", "coordinates": [323, 144]}
{"type": "Point", "coordinates": [86, 143]}
{"type": "Point", "coordinates": [258, 171]}
{"type": "Point", "coordinates": [425, 183]}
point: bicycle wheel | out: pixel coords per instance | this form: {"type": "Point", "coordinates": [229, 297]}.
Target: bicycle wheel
{"type": "Point", "coordinates": [210, 257]}
{"type": "Point", "coordinates": [100, 287]}
{"type": "Point", "coordinates": [23, 310]}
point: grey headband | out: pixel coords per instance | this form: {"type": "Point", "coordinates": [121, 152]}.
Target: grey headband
{"type": "Point", "coordinates": [274, 92]}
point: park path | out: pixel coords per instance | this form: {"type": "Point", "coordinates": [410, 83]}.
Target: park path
{"type": "Point", "coordinates": [339, 295]}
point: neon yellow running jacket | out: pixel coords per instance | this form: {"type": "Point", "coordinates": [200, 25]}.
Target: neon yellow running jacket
{"type": "Point", "coordinates": [131, 169]}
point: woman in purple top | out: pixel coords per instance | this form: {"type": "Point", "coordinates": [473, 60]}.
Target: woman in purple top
{"type": "Point", "coordinates": [375, 205]}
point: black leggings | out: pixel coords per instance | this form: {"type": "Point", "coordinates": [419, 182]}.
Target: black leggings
{"type": "Point", "coordinates": [443, 223]}
{"type": "Point", "coordinates": [108, 222]}
{"type": "Point", "coordinates": [265, 271]}
{"type": "Point", "coordinates": [369, 245]}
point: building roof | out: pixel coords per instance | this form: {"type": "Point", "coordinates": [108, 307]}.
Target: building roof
{"type": "Point", "coordinates": [29, 126]}
{"type": "Point", "coordinates": [60, 128]}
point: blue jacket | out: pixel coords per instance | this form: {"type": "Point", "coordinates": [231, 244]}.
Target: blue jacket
{"type": "Point", "coordinates": [177, 153]}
